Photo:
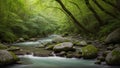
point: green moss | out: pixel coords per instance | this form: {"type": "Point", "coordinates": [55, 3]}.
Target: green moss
{"type": "Point", "coordinates": [7, 60]}
{"type": "Point", "coordinates": [15, 58]}
{"type": "Point", "coordinates": [2, 46]}
{"type": "Point", "coordinates": [50, 47]}
{"type": "Point", "coordinates": [89, 52]}
{"type": "Point", "coordinates": [113, 57]}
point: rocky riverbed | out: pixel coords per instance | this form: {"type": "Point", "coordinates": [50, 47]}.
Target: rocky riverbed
{"type": "Point", "coordinates": [70, 47]}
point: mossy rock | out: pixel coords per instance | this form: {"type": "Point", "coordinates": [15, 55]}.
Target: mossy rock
{"type": "Point", "coordinates": [49, 47]}
{"type": "Point", "coordinates": [7, 57]}
{"type": "Point", "coordinates": [65, 46]}
{"type": "Point", "coordinates": [13, 48]}
{"type": "Point", "coordinates": [113, 58]}
{"type": "Point", "coordinates": [80, 43]}
{"type": "Point", "coordinates": [3, 46]}
{"type": "Point", "coordinates": [113, 37]}
{"type": "Point", "coordinates": [89, 52]}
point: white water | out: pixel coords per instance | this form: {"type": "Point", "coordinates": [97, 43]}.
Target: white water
{"type": "Point", "coordinates": [41, 41]}
{"type": "Point", "coordinates": [56, 62]}
{"type": "Point", "coordinates": [53, 61]}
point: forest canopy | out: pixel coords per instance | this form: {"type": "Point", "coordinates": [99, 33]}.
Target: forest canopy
{"type": "Point", "coordinates": [37, 18]}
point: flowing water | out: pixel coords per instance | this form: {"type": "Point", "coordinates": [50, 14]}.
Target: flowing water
{"type": "Point", "coordinates": [56, 62]}
{"type": "Point", "coordinates": [31, 61]}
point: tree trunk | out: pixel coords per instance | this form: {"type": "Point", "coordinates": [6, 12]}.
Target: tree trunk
{"type": "Point", "coordinates": [118, 3]}
{"type": "Point", "coordinates": [71, 16]}
{"type": "Point", "coordinates": [94, 12]}
{"type": "Point", "coordinates": [112, 15]}
{"type": "Point", "coordinates": [113, 5]}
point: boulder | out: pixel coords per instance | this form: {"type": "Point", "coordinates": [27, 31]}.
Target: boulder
{"type": "Point", "coordinates": [7, 57]}
{"type": "Point", "coordinates": [49, 47]}
{"type": "Point", "coordinates": [113, 37]}
{"type": "Point", "coordinates": [21, 40]}
{"type": "Point", "coordinates": [89, 52]}
{"type": "Point", "coordinates": [61, 54]}
{"type": "Point", "coordinates": [80, 43]}
{"type": "Point", "coordinates": [113, 58]}
{"type": "Point", "coordinates": [65, 46]}
{"type": "Point", "coordinates": [60, 39]}
{"type": "Point", "coordinates": [13, 48]}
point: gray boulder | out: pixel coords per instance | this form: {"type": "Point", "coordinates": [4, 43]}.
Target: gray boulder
{"type": "Point", "coordinates": [65, 46]}
{"type": "Point", "coordinates": [7, 57]}
{"type": "Point", "coordinates": [113, 58]}
{"type": "Point", "coordinates": [113, 37]}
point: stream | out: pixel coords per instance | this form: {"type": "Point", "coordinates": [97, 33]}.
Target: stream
{"type": "Point", "coordinates": [31, 61]}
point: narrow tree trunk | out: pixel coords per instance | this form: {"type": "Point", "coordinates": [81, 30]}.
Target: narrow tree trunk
{"type": "Point", "coordinates": [113, 5]}
{"type": "Point", "coordinates": [94, 12]}
{"type": "Point", "coordinates": [85, 21]}
{"type": "Point", "coordinates": [118, 3]}
{"type": "Point", "coordinates": [112, 15]}
{"type": "Point", "coordinates": [71, 16]}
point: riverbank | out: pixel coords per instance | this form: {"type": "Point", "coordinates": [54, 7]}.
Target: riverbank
{"type": "Point", "coordinates": [66, 47]}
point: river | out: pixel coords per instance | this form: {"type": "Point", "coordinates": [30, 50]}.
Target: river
{"type": "Point", "coordinates": [30, 61]}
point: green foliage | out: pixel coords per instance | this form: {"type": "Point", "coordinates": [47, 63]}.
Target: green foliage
{"type": "Point", "coordinates": [31, 18]}
{"type": "Point", "coordinates": [108, 28]}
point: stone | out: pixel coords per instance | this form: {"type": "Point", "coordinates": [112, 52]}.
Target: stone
{"type": "Point", "coordinates": [98, 62]}
{"type": "Point", "coordinates": [89, 52]}
{"type": "Point", "coordinates": [13, 48]}
{"type": "Point", "coordinates": [49, 47]}
{"type": "Point", "coordinates": [113, 37]}
{"type": "Point", "coordinates": [3, 46]}
{"type": "Point", "coordinates": [65, 46]}
{"type": "Point", "coordinates": [80, 43]}
{"type": "Point", "coordinates": [7, 57]}
{"type": "Point", "coordinates": [101, 58]}
{"type": "Point", "coordinates": [113, 58]}
{"type": "Point", "coordinates": [110, 48]}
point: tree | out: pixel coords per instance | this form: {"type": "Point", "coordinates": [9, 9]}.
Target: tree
{"type": "Point", "coordinates": [94, 12]}
{"type": "Point", "coordinates": [101, 8]}
{"type": "Point", "coordinates": [71, 16]}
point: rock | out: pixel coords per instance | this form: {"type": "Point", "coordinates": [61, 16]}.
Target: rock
{"type": "Point", "coordinates": [101, 58]}
{"type": "Point", "coordinates": [66, 46]}
{"type": "Point", "coordinates": [21, 52]}
{"type": "Point", "coordinates": [77, 55]}
{"type": "Point", "coordinates": [7, 57]}
{"type": "Point", "coordinates": [83, 43]}
{"type": "Point", "coordinates": [117, 45]}
{"type": "Point", "coordinates": [104, 54]}
{"type": "Point", "coordinates": [62, 54]}
{"type": "Point", "coordinates": [69, 55]}
{"type": "Point", "coordinates": [89, 52]}
{"type": "Point", "coordinates": [13, 48]}
{"type": "Point", "coordinates": [40, 46]}
{"type": "Point", "coordinates": [49, 47]}
{"type": "Point", "coordinates": [110, 48]}
{"type": "Point", "coordinates": [41, 54]}
{"type": "Point", "coordinates": [98, 62]}
{"type": "Point", "coordinates": [80, 43]}
{"type": "Point", "coordinates": [3, 46]}
{"type": "Point", "coordinates": [33, 39]}
{"type": "Point", "coordinates": [113, 37]}
{"type": "Point", "coordinates": [113, 58]}
{"type": "Point", "coordinates": [21, 40]}
{"type": "Point", "coordinates": [60, 39]}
